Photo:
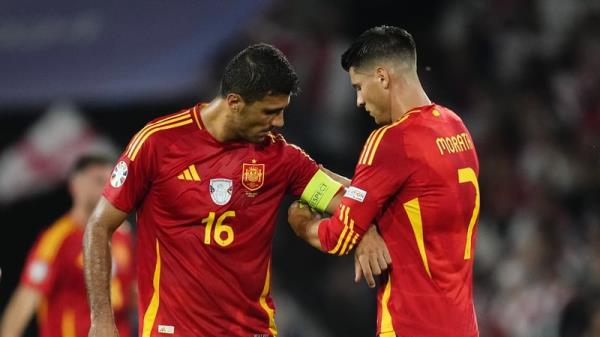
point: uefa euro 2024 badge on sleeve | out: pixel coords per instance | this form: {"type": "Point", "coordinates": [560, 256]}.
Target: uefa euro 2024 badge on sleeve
{"type": "Point", "coordinates": [119, 174]}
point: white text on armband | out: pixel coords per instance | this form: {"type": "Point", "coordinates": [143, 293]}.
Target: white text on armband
{"type": "Point", "coordinates": [453, 144]}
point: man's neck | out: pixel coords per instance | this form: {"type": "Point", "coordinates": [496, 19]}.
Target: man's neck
{"type": "Point", "coordinates": [412, 96]}
{"type": "Point", "coordinates": [215, 117]}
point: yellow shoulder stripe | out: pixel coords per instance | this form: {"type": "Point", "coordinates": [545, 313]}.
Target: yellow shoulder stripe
{"type": "Point", "coordinates": [197, 116]}
{"type": "Point", "coordinates": [135, 138]}
{"type": "Point", "coordinates": [373, 142]}
{"type": "Point", "coordinates": [362, 154]}
{"type": "Point", "coordinates": [53, 238]}
{"type": "Point", "coordinates": [368, 145]}
{"type": "Point", "coordinates": [135, 142]}
{"type": "Point", "coordinates": [143, 134]}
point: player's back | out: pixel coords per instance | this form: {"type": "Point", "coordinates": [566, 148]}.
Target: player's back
{"type": "Point", "coordinates": [430, 226]}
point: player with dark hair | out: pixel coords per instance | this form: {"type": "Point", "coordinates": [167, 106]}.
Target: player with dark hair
{"type": "Point", "coordinates": [207, 183]}
{"type": "Point", "coordinates": [52, 281]}
{"type": "Point", "coordinates": [416, 178]}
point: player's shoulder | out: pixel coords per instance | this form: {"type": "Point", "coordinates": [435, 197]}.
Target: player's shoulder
{"type": "Point", "coordinates": [52, 238]}
{"type": "Point", "coordinates": [440, 111]}
{"type": "Point", "coordinates": [164, 129]}
{"type": "Point", "coordinates": [177, 123]}
{"type": "Point", "coordinates": [422, 119]}
{"type": "Point", "coordinates": [277, 143]}
{"type": "Point", "coordinates": [61, 227]}
{"type": "Point", "coordinates": [395, 130]}
{"type": "Point", "coordinates": [390, 139]}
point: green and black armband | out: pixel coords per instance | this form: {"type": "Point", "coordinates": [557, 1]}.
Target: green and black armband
{"type": "Point", "coordinates": [319, 191]}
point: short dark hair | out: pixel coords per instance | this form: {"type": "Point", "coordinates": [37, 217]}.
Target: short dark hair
{"type": "Point", "coordinates": [257, 71]}
{"type": "Point", "coordinates": [378, 43]}
{"type": "Point", "coordinates": [87, 160]}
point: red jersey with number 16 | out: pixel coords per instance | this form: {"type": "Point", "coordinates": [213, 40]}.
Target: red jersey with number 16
{"type": "Point", "coordinates": [417, 180]}
{"type": "Point", "coordinates": [206, 214]}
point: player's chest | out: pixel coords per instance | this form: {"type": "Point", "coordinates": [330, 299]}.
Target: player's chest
{"type": "Point", "coordinates": [233, 180]}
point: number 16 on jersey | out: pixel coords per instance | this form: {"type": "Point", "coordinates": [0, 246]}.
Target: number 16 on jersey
{"type": "Point", "coordinates": [222, 234]}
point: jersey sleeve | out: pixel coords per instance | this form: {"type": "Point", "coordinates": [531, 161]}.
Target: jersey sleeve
{"type": "Point", "coordinates": [302, 169]}
{"type": "Point", "coordinates": [131, 176]}
{"type": "Point", "coordinates": [380, 172]}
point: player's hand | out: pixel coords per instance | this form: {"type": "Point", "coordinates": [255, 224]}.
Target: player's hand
{"type": "Point", "coordinates": [371, 257]}
{"type": "Point", "coordinates": [299, 215]}
{"type": "Point", "coordinates": [107, 329]}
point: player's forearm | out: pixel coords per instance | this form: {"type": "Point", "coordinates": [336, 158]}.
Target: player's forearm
{"type": "Point", "coordinates": [309, 232]}
{"type": "Point", "coordinates": [18, 312]}
{"type": "Point", "coordinates": [336, 201]}
{"type": "Point", "coordinates": [97, 269]}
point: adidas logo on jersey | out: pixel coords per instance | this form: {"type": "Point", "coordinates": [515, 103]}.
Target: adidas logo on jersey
{"type": "Point", "coordinates": [189, 174]}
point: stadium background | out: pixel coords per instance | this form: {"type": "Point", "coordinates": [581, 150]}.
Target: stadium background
{"type": "Point", "coordinates": [523, 74]}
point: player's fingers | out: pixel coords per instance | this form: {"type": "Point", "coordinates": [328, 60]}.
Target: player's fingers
{"type": "Point", "coordinates": [386, 255]}
{"type": "Point", "coordinates": [357, 270]}
{"type": "Point", "coordinates": [383, 265]}
{"type": "Point", "coordinates": [373, 261]}
{"type": "Point", "coordinates": [367, 272]}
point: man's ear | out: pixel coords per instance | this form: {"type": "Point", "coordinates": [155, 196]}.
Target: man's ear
{"type": "Point", "coordinates": [383, 77]}
{"type": "Point", "coordinates": [235, 102]}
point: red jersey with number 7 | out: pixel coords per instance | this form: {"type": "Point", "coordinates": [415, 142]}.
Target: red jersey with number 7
{"type": "Point", "coordinates": [417, 180]}
{"type": "Point", "coordinates": [206, 214]}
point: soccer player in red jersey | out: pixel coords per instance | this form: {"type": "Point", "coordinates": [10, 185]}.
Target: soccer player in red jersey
{"type": "Point", "coordinates": [417, 180]}
{"type": "Point", "coordinates": [206, 183]}
{"type": "Point", "coordinates": [52, 281]}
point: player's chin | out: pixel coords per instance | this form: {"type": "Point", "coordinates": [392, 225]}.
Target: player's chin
{"type": "Point", "coordinates": [258, 138]}
{"type": "Point", "coordinates": [377, 120]}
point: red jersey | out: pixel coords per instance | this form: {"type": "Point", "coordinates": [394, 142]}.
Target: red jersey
{"type": "Point", "coordinates": [206, 215]}
{"type": "Point", "coordinates": [417, 180]}
{"type": "Point", "coordinates": [55, 268]}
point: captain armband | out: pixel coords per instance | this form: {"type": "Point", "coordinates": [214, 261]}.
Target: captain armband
{"type": "Point", "coordinates": [319, 191]}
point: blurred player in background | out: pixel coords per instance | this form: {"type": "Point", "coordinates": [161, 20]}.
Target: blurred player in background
{"type": "Point", "coordinates": [52, 282]}
{"type": "Point", "coordinates": [207, 183]}
{"type": "Point", "coordinates": [417, 179]}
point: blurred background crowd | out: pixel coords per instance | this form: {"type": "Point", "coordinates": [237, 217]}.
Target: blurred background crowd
{"type": "Point", "coordinates": [523, 74]}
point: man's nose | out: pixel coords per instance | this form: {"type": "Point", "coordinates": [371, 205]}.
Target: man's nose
{"type": "Point", "coordinates": [360, 102]}
{"type": "Point", "coordinates": [278, 120]}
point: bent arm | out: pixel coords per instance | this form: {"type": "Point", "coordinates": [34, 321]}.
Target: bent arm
{"type": "Point", "coordinates": [19, 311]}
{"type": "Point", "coordinates": [305, 223]}
{"type": "Point", "coordinates": [97, 259]}
{"type": "Point", "coordinates": [337, 199]}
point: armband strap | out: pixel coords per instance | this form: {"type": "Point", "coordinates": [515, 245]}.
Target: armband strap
{"type": "Point", "coordinates": [319, 191]}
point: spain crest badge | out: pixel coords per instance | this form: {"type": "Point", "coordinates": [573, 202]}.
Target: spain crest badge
{"type": "Point", "coordinates": [253, 175]}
